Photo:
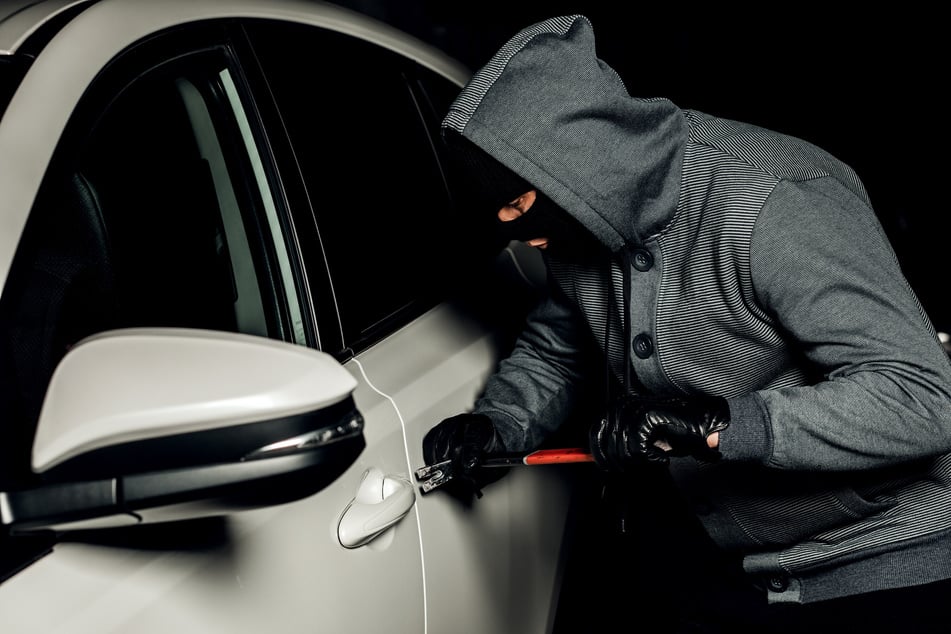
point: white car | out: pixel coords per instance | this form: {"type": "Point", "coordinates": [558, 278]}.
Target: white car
{"type": "Point", "coordinates": [234, 299]}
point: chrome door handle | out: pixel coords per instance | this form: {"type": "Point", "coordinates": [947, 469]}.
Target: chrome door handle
{"type": "Point", "coordinates": [381, 501]}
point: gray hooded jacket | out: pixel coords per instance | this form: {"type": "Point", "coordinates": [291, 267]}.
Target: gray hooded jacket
{"type": "Point", "coordinates": [756, 270]}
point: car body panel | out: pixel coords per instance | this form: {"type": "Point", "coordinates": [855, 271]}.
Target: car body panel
{"type": "Point", "coordinates": [494, 552]}
{"type": "Point", "coordinates": [493, 568]}
{"type": "Point", "coordinates": [20, 19]}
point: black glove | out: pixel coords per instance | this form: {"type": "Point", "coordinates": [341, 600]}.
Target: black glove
{"type": "Point", "coordinates": [634, 425]}
{"type": "Point", "coordinates": [465, 439]}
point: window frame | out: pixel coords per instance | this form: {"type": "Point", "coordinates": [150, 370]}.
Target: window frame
{"type": "Point", "coordinates": [169, 47]}
{"type": "Point", "coordinates": [315, 257]}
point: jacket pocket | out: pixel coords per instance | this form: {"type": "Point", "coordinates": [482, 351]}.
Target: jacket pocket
{"type": "Point", "coordinates": [788, 519]}
{"type": "Point", "coordinates": [776, 509]}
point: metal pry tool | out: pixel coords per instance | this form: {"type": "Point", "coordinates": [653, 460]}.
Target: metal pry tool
{"type": "Point", "coordinates": [439, 473]}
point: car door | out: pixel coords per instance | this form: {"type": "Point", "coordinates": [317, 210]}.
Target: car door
{"type": "Point", "coordinates": [163, 206]}
{"type": "Point", "coordinates": [418, 318]}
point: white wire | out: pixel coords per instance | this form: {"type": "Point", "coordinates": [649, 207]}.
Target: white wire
{"type": "Point", "coordinates": [409, 467]}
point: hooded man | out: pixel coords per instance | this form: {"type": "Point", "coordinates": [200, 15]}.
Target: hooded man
{"type": "Point", "coordinates": [759, 338]}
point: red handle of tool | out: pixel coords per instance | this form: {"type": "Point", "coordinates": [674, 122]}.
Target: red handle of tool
{"type": "Point", "coordinates": [553, 456]}
{"type": "Point", "coordinates": [542, 456]}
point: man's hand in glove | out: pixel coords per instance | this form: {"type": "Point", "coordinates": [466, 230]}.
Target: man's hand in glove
{"type": "Point", "coordinates": [644, 429]}
{"type": "Point", "coordinates": [465, 439]}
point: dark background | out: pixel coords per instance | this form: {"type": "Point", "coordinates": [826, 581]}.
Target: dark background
{"type": "Point", "coordinates": [867, 87]}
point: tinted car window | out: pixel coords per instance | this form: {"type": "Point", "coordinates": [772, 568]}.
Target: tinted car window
{"type": "Point", "coordinates": [11, 72]}
{"type": "Point", "coordinates": [368, 164]}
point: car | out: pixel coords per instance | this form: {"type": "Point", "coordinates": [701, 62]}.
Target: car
{"type": "Point", "coordinates": [236, 294]}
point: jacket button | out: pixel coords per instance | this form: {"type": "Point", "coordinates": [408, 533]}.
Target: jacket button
{"type": "Point", "coordinates": [643, 260]}
{"type": "Point", "coordinates": [643, 345]}
{"type": "Point", "coordinates": [777, 584]}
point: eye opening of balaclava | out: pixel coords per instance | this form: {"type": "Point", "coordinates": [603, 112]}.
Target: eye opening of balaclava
{"type": "Point", "coordinates": [487, 186]}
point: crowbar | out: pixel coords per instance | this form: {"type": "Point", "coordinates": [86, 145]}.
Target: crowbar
{"type": "Point", "coordinates": [439, 473]}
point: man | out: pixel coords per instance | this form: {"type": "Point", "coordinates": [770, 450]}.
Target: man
{"type": "Point", "coordinates": [759, 343]}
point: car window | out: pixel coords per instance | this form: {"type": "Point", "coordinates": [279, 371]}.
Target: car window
{"type": "Point", "coordinates": [11, 72]}
{"type": "Point", "coordinates": [156, 211]}
{"type": "Point", "coordinates": [368, 165]}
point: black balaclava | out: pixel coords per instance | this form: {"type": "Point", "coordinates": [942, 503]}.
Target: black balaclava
{"type": "Point", "coordinates": [488, 186]}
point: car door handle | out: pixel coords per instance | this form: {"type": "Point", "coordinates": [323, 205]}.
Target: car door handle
{"type": "Point", "coordinates": [381, 501]}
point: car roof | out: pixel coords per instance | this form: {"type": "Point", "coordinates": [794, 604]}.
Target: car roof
{"type": "Point", "coordinates": [21, 18]}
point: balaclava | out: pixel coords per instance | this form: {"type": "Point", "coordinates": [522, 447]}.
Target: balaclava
{"type": "Point", "coordinates": [488, 186]}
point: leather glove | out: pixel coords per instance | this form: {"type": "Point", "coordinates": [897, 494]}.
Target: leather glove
{"type": "Point", "coordinates": [641, 430]}
{"type": "Point", "coordinates": [465, 439]}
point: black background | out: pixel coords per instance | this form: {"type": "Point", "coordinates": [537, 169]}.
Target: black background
{"type": "Point", "coordinates": [867, 87]}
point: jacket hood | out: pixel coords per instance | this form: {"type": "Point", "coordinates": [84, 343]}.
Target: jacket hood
{"type": "Point", "coordinates": [547, 108]}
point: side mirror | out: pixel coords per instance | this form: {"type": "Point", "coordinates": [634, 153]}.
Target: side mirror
{"type": "Point", "coordinates": [156, 424]}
